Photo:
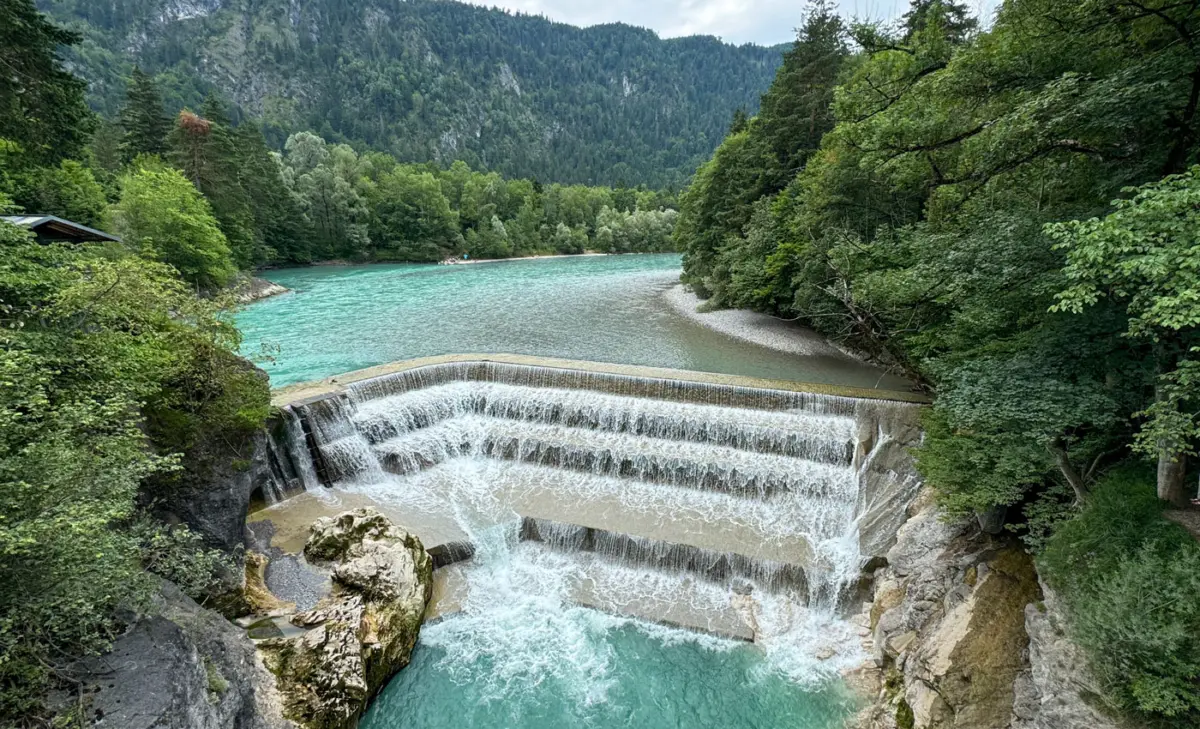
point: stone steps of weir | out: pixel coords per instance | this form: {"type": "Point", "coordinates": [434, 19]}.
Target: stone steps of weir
{"type": "Point", "coordinates": [684, 603]}
{"type": "Point", "coordinates": [434, 502]}
{"type": "Point", "coordinates": [692, 465]}
{"type": "Point", "coordinates": [825, 438]}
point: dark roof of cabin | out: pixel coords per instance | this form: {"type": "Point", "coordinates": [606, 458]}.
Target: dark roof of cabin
{"type": "Point", "coordinates": [53, 227]}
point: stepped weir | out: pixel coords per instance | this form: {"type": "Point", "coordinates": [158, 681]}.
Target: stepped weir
{"type": "Point", "coordinates": [718, 502]}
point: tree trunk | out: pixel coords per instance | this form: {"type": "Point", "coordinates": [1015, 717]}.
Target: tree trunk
{"type": "Point", "coordinates": [1059, 451]}
{"type": "Point", "coordinates": [1172, 467]}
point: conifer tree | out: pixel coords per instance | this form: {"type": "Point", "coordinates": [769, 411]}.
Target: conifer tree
{"type": "Point", "coordinates": [204, 149]}
{"type": "Point", "coordinates": [797, 110]}
{"type": "Point", "coordinates": [143, 120]}
{"type": "Point", "coordinates": [41, 104]}
{"type": "Point", "coordinates": [954, 17]}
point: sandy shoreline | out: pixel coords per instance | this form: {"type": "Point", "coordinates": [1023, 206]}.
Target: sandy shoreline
{"type": "Point", "coordinates": [461, 262]}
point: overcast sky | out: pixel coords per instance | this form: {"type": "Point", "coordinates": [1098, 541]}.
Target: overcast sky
{"type": "Point", "coordinates": [738, 21]}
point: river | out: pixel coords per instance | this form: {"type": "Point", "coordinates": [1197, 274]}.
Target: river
{"type": "Point", "coordinates": [598, 308]}
{"type": "Point", "coordinates": [520, 651]}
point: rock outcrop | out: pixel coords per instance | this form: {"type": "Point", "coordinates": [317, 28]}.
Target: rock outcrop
{"type": "Point", "coordinates": [968, 638]}
{"type": "Point", "coordinates": [1057, 691]}
{"type": "Point", "coordinates": [948, 625]}
{"type": "Point", "coordinates": [361, 634]}
{"type": "Point", "coordinates": [186, 667]}
{"type": "Point", "coordinates": [251, 288]}
{"type": "Point", "coordinates": [183, 668]}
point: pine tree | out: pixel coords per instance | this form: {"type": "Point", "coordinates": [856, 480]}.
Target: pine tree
{"type": "Point", "coordinates": [954, 17]}
{"type": "Point", "coordinates": [279, 218]}
{"type": "Point", "coordinates": [206, 153]}
{"type": "Point", "coordinates": [797, 110]}
{"type": "Point", "coordinates": [739, 121]}
{"type": "Point", "coordinates": [143, 120]}
{"type": "Point", "coordinates": [42, 105]}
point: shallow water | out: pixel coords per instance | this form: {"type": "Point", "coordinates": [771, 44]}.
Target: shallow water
{"type": "Point", "coordinates": [601, 308]}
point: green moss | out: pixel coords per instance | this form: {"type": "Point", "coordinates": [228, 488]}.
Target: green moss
{"type": "Point", "coordinates": [972, 576]}
{"type": "Point", "coordinates": [217, 685]}
{"type": "Point", "coordinates": [904, 716]}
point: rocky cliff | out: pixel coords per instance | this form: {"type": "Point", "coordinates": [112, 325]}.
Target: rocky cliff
{"type": "Point", "coordinates": [182, 666]}
{"type": "Point", "coordinates": [967, 638]}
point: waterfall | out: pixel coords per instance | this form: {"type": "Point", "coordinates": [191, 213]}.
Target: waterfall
{"type": "Point", "coordinates": [742, 511]}
{"type": "Point", "coordinates": [298, 450]}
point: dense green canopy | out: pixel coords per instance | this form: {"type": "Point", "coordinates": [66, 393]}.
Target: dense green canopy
{"type": "Point", "coordinates": [435, 80]}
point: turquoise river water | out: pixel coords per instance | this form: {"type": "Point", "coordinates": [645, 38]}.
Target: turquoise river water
{"type": "Point", "coordinates": [598, 308]}
{"type": "Point", "coordinates": [522, 655]}
{"type": "Point", "coordinates": [656, 683]}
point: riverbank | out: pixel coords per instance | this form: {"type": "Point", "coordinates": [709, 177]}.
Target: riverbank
{"type": "Point", "coordinates": [766, 331]}
{"type": "Point", "coordinates": [752, 326]}
{"type": "Point", "coordinates": [589, 254]}
{"type": "Point", "coordinates": [457, 261]}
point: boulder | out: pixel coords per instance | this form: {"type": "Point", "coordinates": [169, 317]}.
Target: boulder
{"type": "Point", "coordinates": [364, 631]}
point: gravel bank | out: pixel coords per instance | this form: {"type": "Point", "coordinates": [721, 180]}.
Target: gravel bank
{"type": "Point", "coordinates": [753, 327]}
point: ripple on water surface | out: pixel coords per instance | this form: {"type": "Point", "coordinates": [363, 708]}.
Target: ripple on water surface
{"type": "Point", "coordinates": [602, 308]}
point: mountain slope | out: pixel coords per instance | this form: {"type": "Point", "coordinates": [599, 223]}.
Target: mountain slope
{"type": "Point", "coordinates": [436, 80]}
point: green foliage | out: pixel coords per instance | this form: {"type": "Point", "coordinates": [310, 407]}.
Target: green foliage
{"type": "Point", "coordinates": [1146, 253]}
{"type": "Point", "coordinates": [205, 150]}
{"type": "Point", "coordinates": [69, 190]}
{"type": "Point", "coordinates": [956, 223]}
{"type": "Point", "coordinates": [179, 555]}
{"type": "Point", "coordinates": [162, 215]}
{"type": "Point", "coordinates": [1130, 582]}
{"type": "Point", "coordinates": [92, 336]}
{"type": "Point", "coordinates": [412, 220]}
{"type": "Point", "coordinates": [42, 107]}
{"type": "Point", "coordinates": [432, 80]}
{"type": "Point", "coordinates": [144, 123]}
{"type": "Point", "coordinates": [760, 158]}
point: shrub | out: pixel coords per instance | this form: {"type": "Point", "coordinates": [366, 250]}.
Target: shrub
{"type": "Point", "coordinates": [1131, 583]}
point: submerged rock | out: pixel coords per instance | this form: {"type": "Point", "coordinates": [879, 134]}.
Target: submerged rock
{"type": "Point", "coordinates": [361, 634]}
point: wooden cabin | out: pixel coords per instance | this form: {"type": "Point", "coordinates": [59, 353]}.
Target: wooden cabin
{"type": "Point", "coordinates": [50, 229]}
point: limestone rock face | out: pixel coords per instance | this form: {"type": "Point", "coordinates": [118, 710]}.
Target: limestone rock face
{"type": "Point", "coordinates": [1057, 691]}
{"type": "Point", "coordinates": [949, 626]}
{"type": "Point", "coordinates": [364, 631]}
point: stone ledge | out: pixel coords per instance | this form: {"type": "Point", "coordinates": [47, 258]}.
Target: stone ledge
{"type": "Point", "coordinates": [309, 391]}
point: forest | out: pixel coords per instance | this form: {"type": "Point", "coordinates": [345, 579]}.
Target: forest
{"type": "Point", "coordinates": [119, 385]}
{"type": "Point", "coordinates": [247, 206]}
{"type": "Point", "coordinates": [433, 80]}
{"type": "Point", "coordinates": [1010, 216]}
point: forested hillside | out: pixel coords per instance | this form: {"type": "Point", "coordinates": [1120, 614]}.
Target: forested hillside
{"type": "Point", "coordinates": [1012, 218]}
{"type": "Point", "coordinates": [434, 80]}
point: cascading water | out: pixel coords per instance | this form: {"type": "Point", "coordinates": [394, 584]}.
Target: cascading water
{"type": "Point", "coordinates": [732, 510]}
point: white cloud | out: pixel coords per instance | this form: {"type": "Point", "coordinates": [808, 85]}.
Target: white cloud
{"type": "Point", "coordinates": [736, 21]}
